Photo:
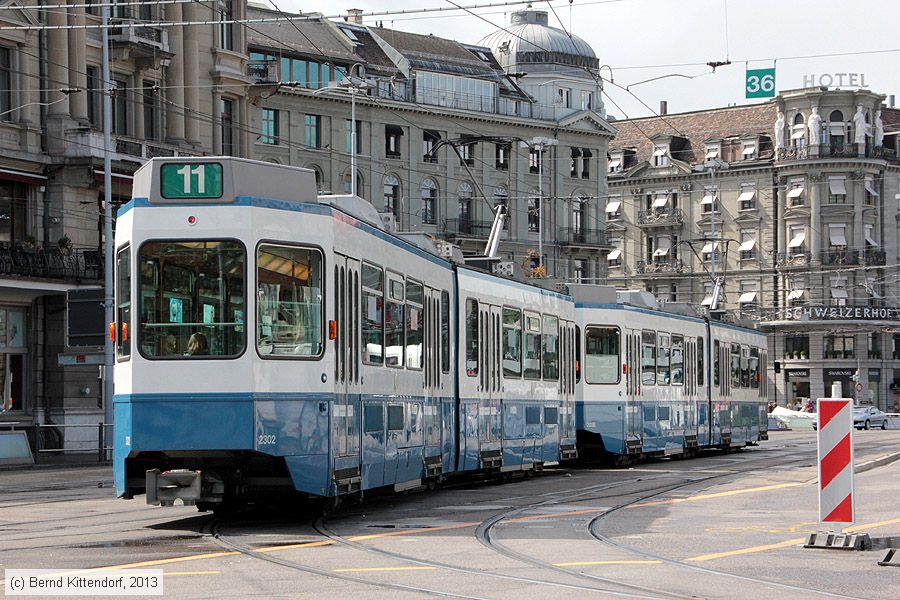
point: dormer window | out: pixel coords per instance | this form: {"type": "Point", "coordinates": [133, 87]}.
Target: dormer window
{"type": "Point", "coordinates": [660, 158]}
{"type": "Point", "coordinates": [615, 164]}
{"type": "Point", "coordinates": [712, 152]}
{"type": "Point", "coordinates": [749, 151]}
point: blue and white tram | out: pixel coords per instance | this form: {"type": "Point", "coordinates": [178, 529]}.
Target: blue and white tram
{"type": "Point", "coordinates": [645, 389]}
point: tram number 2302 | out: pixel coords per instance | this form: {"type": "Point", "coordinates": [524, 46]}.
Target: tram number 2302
{"type": "Point", "coordinates": [265, 439]}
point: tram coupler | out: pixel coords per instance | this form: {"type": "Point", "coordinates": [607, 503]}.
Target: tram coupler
{"type": "Point", "coordinates": [191, 487]}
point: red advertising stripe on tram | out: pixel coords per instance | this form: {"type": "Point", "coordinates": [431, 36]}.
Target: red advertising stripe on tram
{"type": "Point", "coordinates": [835, 461]}
{"type": "Point", "coordinates": [827, 410]}
{"type": "Point", "coordinates": [843, 512]}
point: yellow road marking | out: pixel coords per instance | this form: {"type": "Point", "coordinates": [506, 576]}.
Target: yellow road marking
{"type": "Point", "coordinates": [163, 561]}
{"type": "Point", "coordinates": [699, 497]}
{"type": "Point", "coordinates": [292, 546]}
{"type": "Point", "coordinates": [384, 569]}
{"type": "Point", "coordinates": [784, 544]}
{"type": "Point", "coordinates": [609, 562]}
{"type": "Point", "coordinates": [169, 574]}
{"type": "Point", "coordinates": [372, 536]}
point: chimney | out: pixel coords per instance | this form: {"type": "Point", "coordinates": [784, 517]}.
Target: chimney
{"type": "Point", "coordinates": [354, 15]}
{"type": "Point", "coordinates": [891, 101]}
{"type": "Point", "coordinates": [663, 107]}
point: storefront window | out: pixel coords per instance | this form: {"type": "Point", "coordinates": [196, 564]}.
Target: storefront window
{"type": "Point", "coordinates": [796, 346]}
{"type": "Point", "coordinates": [12, 360]}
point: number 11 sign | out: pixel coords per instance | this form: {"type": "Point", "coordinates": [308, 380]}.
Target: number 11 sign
{"type": "Point", "coordinates": [191, 180]}
{"type": "Point", "coordinates": [760, 83]}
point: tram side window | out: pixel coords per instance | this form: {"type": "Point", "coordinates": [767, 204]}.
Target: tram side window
{"type": "Point", "coordinates": [662, 360]}
{"type": "Point", "coordinates": [445, 332]}
{"type": "Point", "coordinates": [735, 365]}
{"type": "Point", "coordinates": [601, 354]}
{"type": "Point", "coordinates": [415, 326]}
{"type": "Point", "coordinates": [123, 302]}
{"type": "Point", "coordinates": [512, 342]}
{"type": "Point", "coordinates": [471, 337]}
{"type": "Point", "coordinates": [745, 367]}
{"type": "Point", "coordinates": [289, 296]}
{"type": "Point", "coordinates": [550, 339]}
{"type": "Point", "coordinates": [393, 322]}
{"type": "Point", "coordinates": [532, 368]}
{"type": "Point", "coordinates": [373, 314]}
{"type": "Point", "coordinates": [754, 368]}
{"type": "Point", "coordinates": [648, 357]}
{"type": "Point", "coordinates": [677, 360]}
{"type": "Point", "coordinates": [192, 299]}
{"type": "Point", "coordinates": [701, 374]}
{"type": "Point", "coordinates": [716, 363]}
{"type": "Point", "coordinates": [395, 417]}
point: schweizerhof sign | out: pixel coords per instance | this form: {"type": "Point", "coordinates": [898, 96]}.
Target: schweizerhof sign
{"type": "Point", "coordinates": [841, 313]}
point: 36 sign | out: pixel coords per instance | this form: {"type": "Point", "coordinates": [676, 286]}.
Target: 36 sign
{"type": "Point", "coordinates": [191, 180]}
{"type": "Point", "coordinates": [760, 83]}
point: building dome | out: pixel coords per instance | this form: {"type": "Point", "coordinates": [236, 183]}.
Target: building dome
{"type": "Point", "coordinates": [530, 41]}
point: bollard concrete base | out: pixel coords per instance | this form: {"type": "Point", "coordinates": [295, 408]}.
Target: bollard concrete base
{"type": "Point", "coordinates": [831, 540]}
{"type": "Point", "coordinates": [891, 559]}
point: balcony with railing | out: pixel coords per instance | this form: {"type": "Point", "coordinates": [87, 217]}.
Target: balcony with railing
{"type": "Point", "coordinates": [792, 259]}
{"type": "Point", "coordinates": [656, 218]}
{"type": "Point", "coordinates": [141, 41]}
{"type": "Point", "coordinates": [839, 257]}
{"type": "Point", "coordinates": [874, 258]}
{"type": "Point", "coordinates": [660, 265]}
{"type": "Point", "coordinates": [836, 151]}
{"type": "Point", "coordinates": [579, 236]}
{"type": "Point", "coordinates": [264, 71]}
{"type": "Point", "coordinates": [466, 228]}
{"type": "Point", "coordinates": [84, 142]}
{"type": "Point", "coordinates": [35, 261]}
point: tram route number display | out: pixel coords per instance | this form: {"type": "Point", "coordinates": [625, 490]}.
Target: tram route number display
{"type": "Point", "coordinates": [191, 180]}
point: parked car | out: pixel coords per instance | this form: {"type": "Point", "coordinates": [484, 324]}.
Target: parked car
{"type": "Point", "coordinates": [866, 417]}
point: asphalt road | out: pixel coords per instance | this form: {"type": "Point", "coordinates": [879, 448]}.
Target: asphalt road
{"type": "Point", "coordinates": [719, 526]}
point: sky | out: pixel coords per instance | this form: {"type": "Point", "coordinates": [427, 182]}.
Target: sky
{"type": "Point", "coordinates": [643, 39]}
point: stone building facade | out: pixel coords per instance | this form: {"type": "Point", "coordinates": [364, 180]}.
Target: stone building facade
{"type": "Point", "coordinates": [793, 204]}
{"type": "Point", "coordinates": [176, 90]}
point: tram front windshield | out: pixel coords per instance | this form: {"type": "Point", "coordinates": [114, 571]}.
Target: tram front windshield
{"type": "Point", "coordinates": [192, 299]}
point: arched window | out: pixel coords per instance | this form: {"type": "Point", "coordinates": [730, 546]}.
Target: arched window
{"type": "Point", "coordinates": [837, 129]}
{"type": "Point", "coordinates": [392, 196]}
{"type": "Point", "coordinates": [798, 134]}
{"type": "Point", "coordinates": [429, 201]}
{"type": "Point", "coordinates": [320, 178]}
{"type": "Point", "coordinates": [836, 116]}
{"type": "Point", "coordinates": [579, 213]}
{"type": "Point", "coordinates": [798, 119]}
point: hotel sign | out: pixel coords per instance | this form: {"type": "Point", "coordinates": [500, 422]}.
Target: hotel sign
{"type": "Point", "coordinates": [842, 313]}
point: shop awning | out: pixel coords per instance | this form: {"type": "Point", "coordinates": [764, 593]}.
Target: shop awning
{"type": "Point", "coordinates": [613, 164]}
{"type": "Point", "coordinates": [712, 153]}
{"type": "Point", "coordinates": [707, 301]}
{"type": "Point", "coordinates": [22, 177]}
{"type": "Point", "coordinates": [662, 198]}
{"type": "Point", "coordinates": [613, 207]}
{"type": "Point", "coordinates": [708, 199]}
{"type": "Point", "coordinates": [747, 245]}
{"type": "Point", "coordinates": [661, 252]}
{"type": "Point", "coordinates": [839, 293]}
{"type": "Point", "coordinates": [614, 255]}
{"type": "Point", "coordinates": [708, 248]}
{"type": "Point", "coordinates": [748, 150]}
{"type": "Point", "coordinates": [795, 191]}
{"type": "Point", "coordinates": [869, 239]}
{"type": "Point", "coordinates": [836, 236]}
{"type": "Point", "coordinates": [870, 187]}
{"type": "Point", "coordinates": [747, 297]}
{"type": "Point", "coordinates": [799, 134]}
{"type": "Point", "coordinates": [796, 294]}
{"type": "Point", "coordinates": [797, 240]}
{"type": "Point", "coordinates": [747, 196]}
{"type": "Point", "coordinates": [837, 187]}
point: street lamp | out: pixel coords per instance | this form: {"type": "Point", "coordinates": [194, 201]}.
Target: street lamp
{"type": "Point", "coordinates": [353, 89]}
{"type": "Point", "coordinates": [540, 143]}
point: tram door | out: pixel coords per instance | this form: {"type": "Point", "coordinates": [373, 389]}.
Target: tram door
{"type": "Point", "coordinates": [347, 411]}
{"type": "Point", "coordinates": [633, 407]}
{"type": "Point", "coordinates": [432, 385]}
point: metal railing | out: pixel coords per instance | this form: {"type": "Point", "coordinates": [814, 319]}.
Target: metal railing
{"type": "Point", "coordinates": [468, 227]}
{"type": "Point", "coordinates": [657, 217]}
{"type": "Point", "coordinates": [25, 260]}
{"type": "Point", "coordinates": [836, 151]}
{"type": "Point", "coordinates": [49, 439]}
{"type": "Point", "coordinates": [839, 257]}
{"type": "Point", "coordinates": [660, 265]}
{"type": "Point", "coordinates": [792, 259]}
{"type": "Point", "coordinates": [578, 236]}
{"type": "Point", "coordinates": [874, 257]}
